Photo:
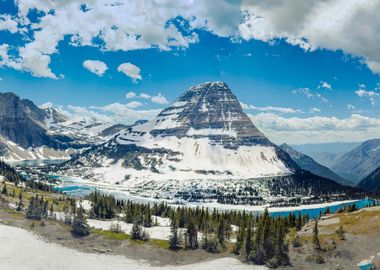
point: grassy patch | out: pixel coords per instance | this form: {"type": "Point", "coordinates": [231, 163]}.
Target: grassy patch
{"type": "Point", "coordinates": [359, 222]}
{"type": "Point", "coordinates": [159, 243]}
{"type": "Point", "coordinates": [107, 234]}
{"type": "Point", "coordinates": [110, 234]}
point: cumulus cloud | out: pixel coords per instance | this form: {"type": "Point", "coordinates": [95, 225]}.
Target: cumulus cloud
{"type": "Point", "coordinates": [130, 70]}
{"type": "Point", "coordinates": [371, 95]}
{"type": "Point", "coordinates": [111, 113]}
{"type": "Point", "coordinates": [324, 85]}
{"type": "Point", "coordinates": [144, 95]}
{"type": "Point", "coordinates": [8, 24]}
{"type": "Point", "coordinates": [270, 108]}
{"type": "Point", "coordinates": [130, 95]}
{"type": "Point", "coordinates": [317, 128]}
{"type": "Point", "coordinates": [348, 25]}
{"type": "Point", "coordinates": [134, 104]}
{"type": "Point", "coordinates": [314, 110]}
{"type": "Point", "coordinates": [95, 66]}
{"type": "Point", "coordinates": [159, 99]}
{"type": "Point", "coordinates": [308, 93]}
{"type": "Point", "coordinates": [121, 113]}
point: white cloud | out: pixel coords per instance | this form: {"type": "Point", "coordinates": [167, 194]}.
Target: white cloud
{"type": "Point", "coordinates": [8, 24]}
{"type": "Point", "coordinates": [134, 104]}
{"type": "Point", "coordinates": [350, 25]}
{"type": "Point", "coordinates": [314, 110]}
{"type": "Point", "coordinates": [159, 99]}
{"type": "Point", "coordinates": [130, 70]}
{"type": "Point", "coordinates": [350, 107]}
{"type": "Point", "coordinates": [36, 63]}
{"type": "Point", "coordinates": [111, 113]}
{"type": "Point", "coordinates": [364, 93]}
{"type": "Point", "coordinates": [324, 85]}
{"type": "Point", "coordinates": [130, 95]}
{"type": "Point", "coordinates": [120, 113]}
{"type": "Point", "coordinates": [95, 66]}
{"type": "Point", "coordinates": [270, 108]}
{"type": "Point", "coordinates": [317, 128]}
{"type": "Point", "coordinates": [145, 96]}
{"type": "Point", "coordinates": [307, 92]}
{"type": "Point", "coordinates": [371, 95]}
{"type": "Point", "coordinates": [46, 105]}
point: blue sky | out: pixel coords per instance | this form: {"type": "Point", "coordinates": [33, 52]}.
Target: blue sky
{"type": "Point", "coordinates": [299, 85]}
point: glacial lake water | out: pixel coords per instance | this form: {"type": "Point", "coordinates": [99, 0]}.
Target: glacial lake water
{"type": "Point", "coordinates": [36, 162]}
{"type": "Point", "coordinates": [74, 188]}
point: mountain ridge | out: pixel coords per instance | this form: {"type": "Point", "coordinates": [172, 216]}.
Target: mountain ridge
{"type": "Point", "coordinates": [309, 164]}
{"type": "Point", "coordinates": [360, 162]}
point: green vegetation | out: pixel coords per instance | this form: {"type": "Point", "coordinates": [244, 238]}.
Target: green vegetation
{"type": "Point", "coordinates": [80, 226]}
{"type": "Point", "coordinates": [37, 209]}
{"type": "Point", "coordinates": [315, 241]}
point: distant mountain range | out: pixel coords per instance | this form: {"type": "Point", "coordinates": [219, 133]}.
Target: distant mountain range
{"type": "Point", "coordinates": [359, 162]}
{"type": "Point", "coordinates": [29, 132]}
{"type": "Point", "coordinates": [307, 163]}
{"type": "Point", "coordinates": [326, 153]}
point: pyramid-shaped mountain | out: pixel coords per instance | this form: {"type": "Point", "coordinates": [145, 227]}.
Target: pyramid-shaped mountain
{"type": "Point", "coordinates": [202, 141]}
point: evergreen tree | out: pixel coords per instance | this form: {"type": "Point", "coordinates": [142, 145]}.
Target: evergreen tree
{"type": "Point", "coordinates": [192, 236]}
{"type": "Point", "coordinates": [280, 255]}
{"type": "Point", "coordinates": [222, 232]}
{"type": "Point", "coordinates": [35, 208]}
{"type": "Point", "coordinates": [136, 232]}
{"type": "Point", "coordinates": [248, 244]}
{"type": "Point", "coordinates": [299, 222]}
{"type": "Point", "coordinates": [174, 240]}
{"type": "Point", "coordinates": [316, 243]}
{"type": "Point", "coordinates": [20, 204]}
{"type": "Point", "coordinates": [80, 226]}
{"type": "Point", "coordinates": [147, 219]}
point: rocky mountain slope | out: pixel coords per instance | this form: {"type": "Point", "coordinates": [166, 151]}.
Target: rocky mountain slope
{"type": "Point", "coordinates": [372, 182]}
{"type": "Point", "coordinates": [326, 154]}
{"type": "Point", "coordinates": [308, 164]}
{"type": "Point", "coordinates": [360, 162]}
{"type": "Point", "coordinates": [202, 146]}
{"type": "Point", "coordinates": [30, 132]}
{"type": "Point", "coordinates": [22, 123]}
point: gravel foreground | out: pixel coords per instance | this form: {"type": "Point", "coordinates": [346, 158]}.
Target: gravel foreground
{"type": "Point", "coordinates": [23, 250]}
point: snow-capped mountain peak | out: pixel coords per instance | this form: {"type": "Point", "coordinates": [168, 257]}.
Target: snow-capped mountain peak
{"type": "Point", "coordinates": [204, 134]}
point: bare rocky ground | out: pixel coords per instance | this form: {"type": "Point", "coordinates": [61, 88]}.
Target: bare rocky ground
{"type": "Point", "coordinates": [362, 241]}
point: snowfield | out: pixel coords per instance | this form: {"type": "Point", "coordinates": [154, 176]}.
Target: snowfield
{"type": "Point", "coordinates": [22, 250]}
{"type": "Point", "coordinates": [155, 232]}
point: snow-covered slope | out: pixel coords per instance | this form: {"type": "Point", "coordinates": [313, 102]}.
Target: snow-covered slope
{"type": "Point", "coordinates": [28, 132]}
{"type": "Point", "coordinates": [14, 152]}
